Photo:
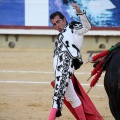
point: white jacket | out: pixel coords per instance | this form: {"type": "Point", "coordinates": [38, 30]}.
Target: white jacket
{"type": "Point", "coordinates": [78, 33]}
{"type": "Point", "coordinates": [71, 40]}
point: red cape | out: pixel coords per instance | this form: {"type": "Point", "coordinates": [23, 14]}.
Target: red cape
{"type": "Point", "coordinates": [90, 111]}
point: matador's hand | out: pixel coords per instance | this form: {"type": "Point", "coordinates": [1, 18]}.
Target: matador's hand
{"type": "Point", "coordinates": [75, 6]}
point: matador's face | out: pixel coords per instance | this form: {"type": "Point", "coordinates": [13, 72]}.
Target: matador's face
{"type": "Point", "coordinates": [58, 23]}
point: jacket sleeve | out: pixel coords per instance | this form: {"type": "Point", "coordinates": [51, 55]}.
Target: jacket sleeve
{"type": "Point", "coordinates": [86, 26]}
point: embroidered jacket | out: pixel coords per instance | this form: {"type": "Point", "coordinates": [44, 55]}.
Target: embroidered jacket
{"type": "Point", "coordinates": [71, 39]}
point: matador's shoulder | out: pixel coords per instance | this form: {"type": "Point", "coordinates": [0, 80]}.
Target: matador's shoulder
{"type": "Point", "coordinates": [75, 25]}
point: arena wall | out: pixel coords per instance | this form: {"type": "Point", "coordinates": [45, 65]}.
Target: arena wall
{"type": "Point", "coordinates": [36, 39]}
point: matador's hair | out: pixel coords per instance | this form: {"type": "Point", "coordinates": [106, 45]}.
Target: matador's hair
{"type": "Point", "coordinates": [55, 14]}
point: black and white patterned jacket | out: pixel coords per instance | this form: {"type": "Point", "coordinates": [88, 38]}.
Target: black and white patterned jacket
{"type": "Point", "coordinates": [71, 39]}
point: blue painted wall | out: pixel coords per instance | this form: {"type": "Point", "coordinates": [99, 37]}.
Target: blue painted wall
{"type": "Point", "coordinates": [12, 12]}
{"type": "Point", "coordinates": [101, 13]}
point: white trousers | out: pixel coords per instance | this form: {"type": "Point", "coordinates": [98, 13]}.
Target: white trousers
{"type": "Point", "coordinates": [71, 96]}
{"type": "Point", "coordinates": [63, 84]}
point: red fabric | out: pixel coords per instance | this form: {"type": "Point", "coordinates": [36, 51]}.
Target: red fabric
{"type": "Point", "coordinates": [80, 112]}
{"type": "Point", "coordinates": [90, 111]}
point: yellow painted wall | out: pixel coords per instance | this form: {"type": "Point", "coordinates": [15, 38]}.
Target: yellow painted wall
{"type": "Point", "coordinates": [36, 42]}
{"type": "Point", "coordinates": [94, 43]}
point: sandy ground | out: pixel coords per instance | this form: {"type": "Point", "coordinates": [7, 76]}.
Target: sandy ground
{"type": "Point", "coordinates": [25, 90]}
